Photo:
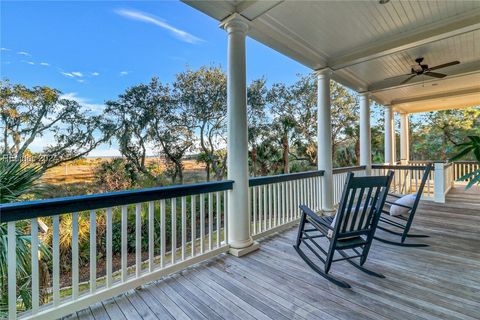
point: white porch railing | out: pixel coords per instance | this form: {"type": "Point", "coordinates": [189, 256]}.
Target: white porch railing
{"type": "Point", "coordinates": [461, 168]}
{"type": "Point", "coordinates": [274, 200]}
{"type": "Point", "coordinates": [407, 179]}
{"type": "Point", "coordinates": [339, 178]}
{"type": "Point", "coordinates": [180, 225]}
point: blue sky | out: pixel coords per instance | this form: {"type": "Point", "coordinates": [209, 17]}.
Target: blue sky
{"type": "Point", "coordinates": [93, 50]}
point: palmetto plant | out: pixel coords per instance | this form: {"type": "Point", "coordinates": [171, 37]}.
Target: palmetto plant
{"type": "Point", "coordinates": [471, 146]}
{"type": "Point", "coordinates": [16, 180]}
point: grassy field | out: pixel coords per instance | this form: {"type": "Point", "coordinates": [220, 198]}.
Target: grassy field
{"type": "Point", "coordinates": [82, 171]}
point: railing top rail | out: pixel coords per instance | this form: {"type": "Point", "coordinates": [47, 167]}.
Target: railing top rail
{"type": "Point", "coordinates": [465, 162]}
{"type": "Point", "coordinates": [348, 169]}
{"type": "Point", "coordinates": [399, 167]}
{"type": "Point", "coordinates": [49, 207]}
{"type": "Point", "coordinates": [259, 181]}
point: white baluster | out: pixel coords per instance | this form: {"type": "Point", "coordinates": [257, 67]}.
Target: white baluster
{"type": "Point", "coordinates": [35, 276]}
{"type": "Point", "coordinates": [93, 252]}
{"type": "Point", "coordinates": [109, 247]}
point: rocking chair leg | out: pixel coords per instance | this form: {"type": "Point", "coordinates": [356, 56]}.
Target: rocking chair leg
{"type": "Point", "coordinates": [417, 236]}
{"type": "Point", "coordinates": [400, 233]}
{"type": "Point", "coordinates": [312, 265]}
{"type": "Point", "coordinates": [361, 268]}
{"type": "Point", "coordinates": [400, 244]}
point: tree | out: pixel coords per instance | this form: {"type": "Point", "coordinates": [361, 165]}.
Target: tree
{"type": "Point", "coordinates": [281, 101]}
{"type": "Point", "coordinates": [30, 113]}
{"type": "Point", "coordinates": [128, 119]}
{"type": "Point", "coordinates": [257, 119]}
{"type": "Point", "coordinates": [437, 133]}
{"type": "Point", "coordinates": [203, 96]}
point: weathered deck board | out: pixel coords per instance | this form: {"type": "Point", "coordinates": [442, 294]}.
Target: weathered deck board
{"type": "Point", "coordinates": [438, 282]}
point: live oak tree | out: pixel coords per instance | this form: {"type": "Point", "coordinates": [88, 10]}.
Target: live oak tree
{"type": "Point", "coordinates": [27, 114]}
{"type": "Point", "coordinates": [202, 94]}
{"type": "Point", "coordinates": [146, 118]}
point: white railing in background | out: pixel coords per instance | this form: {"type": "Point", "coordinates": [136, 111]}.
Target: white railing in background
{"type": "Point", "coordinates": [461, 168]}
{"type": "Point", "coordinates": [339, 178]}
{"type": "Point", "coordinates": [407, 179]}
{"type": "Point", "coordinates": [274, 200]}
{"type": "Point", "coordinates": [180, 225]}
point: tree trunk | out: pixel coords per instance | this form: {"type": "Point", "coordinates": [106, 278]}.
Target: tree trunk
{"type": "Point", "coordinates": [357, 152]}
{"type": "Point", "coordinates": [285, 154]}
{"type": "Point", "coordinates": [254, 160]}
{"type": "Point", "coordinates": [207, 168]}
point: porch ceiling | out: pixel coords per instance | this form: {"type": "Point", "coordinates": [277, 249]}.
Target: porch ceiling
{"type": "Point", "coordinates": [365, 42]}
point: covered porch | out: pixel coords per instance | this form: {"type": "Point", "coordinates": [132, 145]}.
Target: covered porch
{"type": "Point", "coordinates": [181, 269]}
{"type": "Point", "coordinates": [274, 283]}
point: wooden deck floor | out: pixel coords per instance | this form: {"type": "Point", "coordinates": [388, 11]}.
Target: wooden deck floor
{"type": "Point", "coordinates": [439, 282]}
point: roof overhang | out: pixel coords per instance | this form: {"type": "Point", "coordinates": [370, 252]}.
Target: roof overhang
{"type": "Point", "coordinates": [365, 43]}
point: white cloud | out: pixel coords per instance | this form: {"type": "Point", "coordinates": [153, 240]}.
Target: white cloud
{"type": "Point", "coordinates": [80, 80]}
{"type": "Point", "coordinates": [95, 74]}
{"type": "Point", "coordinates": [96, 108]}
{"type": "Point", "coordinates": [145, 17]}
{"type": "Point", "coordinates": [67, 74]}
{"type": "Point", "coordinates": [4, 49]}
{"type": "Point", "coordinates": [24, 53]}
{"type": "Point", "coordinates": [30, 62]}
{"type": "Point", "coordinates": [73, 74]}
{"type": "Point", "coordinates": [46, 64]}
{"type": "Point", "coordinates": [123, 73]}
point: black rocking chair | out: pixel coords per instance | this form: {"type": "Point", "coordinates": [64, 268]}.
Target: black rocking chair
{"type": "Point", "coordinates": [352, 228]}
{"type": "Point", "coordinates": [402, 222]}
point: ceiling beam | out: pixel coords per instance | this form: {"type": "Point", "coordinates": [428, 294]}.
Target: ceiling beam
{"type": "Point", "coordinates": [252, 9]}
{"type": "Point", "coordinates": [459, 70]}
{"type": "Point", "coordinates": [440, 30]}
{"type": "Point", "coordinates": [442, 95]}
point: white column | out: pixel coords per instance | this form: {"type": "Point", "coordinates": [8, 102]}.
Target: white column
{"type": "Point", "coordinates": [389, 136]}
{"type": "Point", "coordinates": [237, 148]}
{"type": "Point", "coordinates": [404, 138]}
{"type": "Point", "coordinates": [365, 134]}
{"type": "Point", "coordinates": [324, 138]}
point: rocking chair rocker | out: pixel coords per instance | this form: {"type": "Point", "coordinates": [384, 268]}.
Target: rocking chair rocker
{"type": "Point", "coordinates": [352, 228]}
{"type": "Point", "coordinates": [403, 222]}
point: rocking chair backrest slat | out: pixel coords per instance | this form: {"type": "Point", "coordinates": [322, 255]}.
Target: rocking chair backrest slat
{"type": "Point", "coordinates": [358, 213]}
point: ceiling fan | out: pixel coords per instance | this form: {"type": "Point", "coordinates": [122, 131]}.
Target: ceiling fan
{"type": "Point", "coordinates": [423, 69]}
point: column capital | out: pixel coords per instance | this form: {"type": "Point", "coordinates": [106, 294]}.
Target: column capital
{"type": "Point", "coordinates": [364, 94]}
{"type": "Point", "coordinates": [324, 73]}
{"type": "Point", "coordinates": [235, 23]}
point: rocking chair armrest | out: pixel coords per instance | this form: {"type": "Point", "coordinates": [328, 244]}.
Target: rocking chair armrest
{"type": "Point", "coordinates": [394, 195]}
{"type": "Point", "coordinates": [398, 204]}
{"type": "Point", "coordinates": [314, 216]}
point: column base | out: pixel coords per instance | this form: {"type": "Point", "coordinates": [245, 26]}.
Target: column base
{"type": "Point", "coordinates": [244, 251]}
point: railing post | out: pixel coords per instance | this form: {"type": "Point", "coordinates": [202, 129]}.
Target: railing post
{"type": "Point", "coordinates": [239, 237]}
{"type": "Point", "coordinates": [439, 182]}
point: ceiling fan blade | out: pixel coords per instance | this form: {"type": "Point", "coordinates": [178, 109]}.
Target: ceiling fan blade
{"type": "Point", "coordinates": [408, 79]}
{"type": "Point", "coordinates": [444, 65]}
{"type": "Point", "coordinates": [399, 76]}
{"type": "Point", "coordinates": [435, 74]}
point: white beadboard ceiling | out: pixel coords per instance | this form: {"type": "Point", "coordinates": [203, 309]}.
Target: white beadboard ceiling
{"type": "Point", "coordinates": [365, 43]}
